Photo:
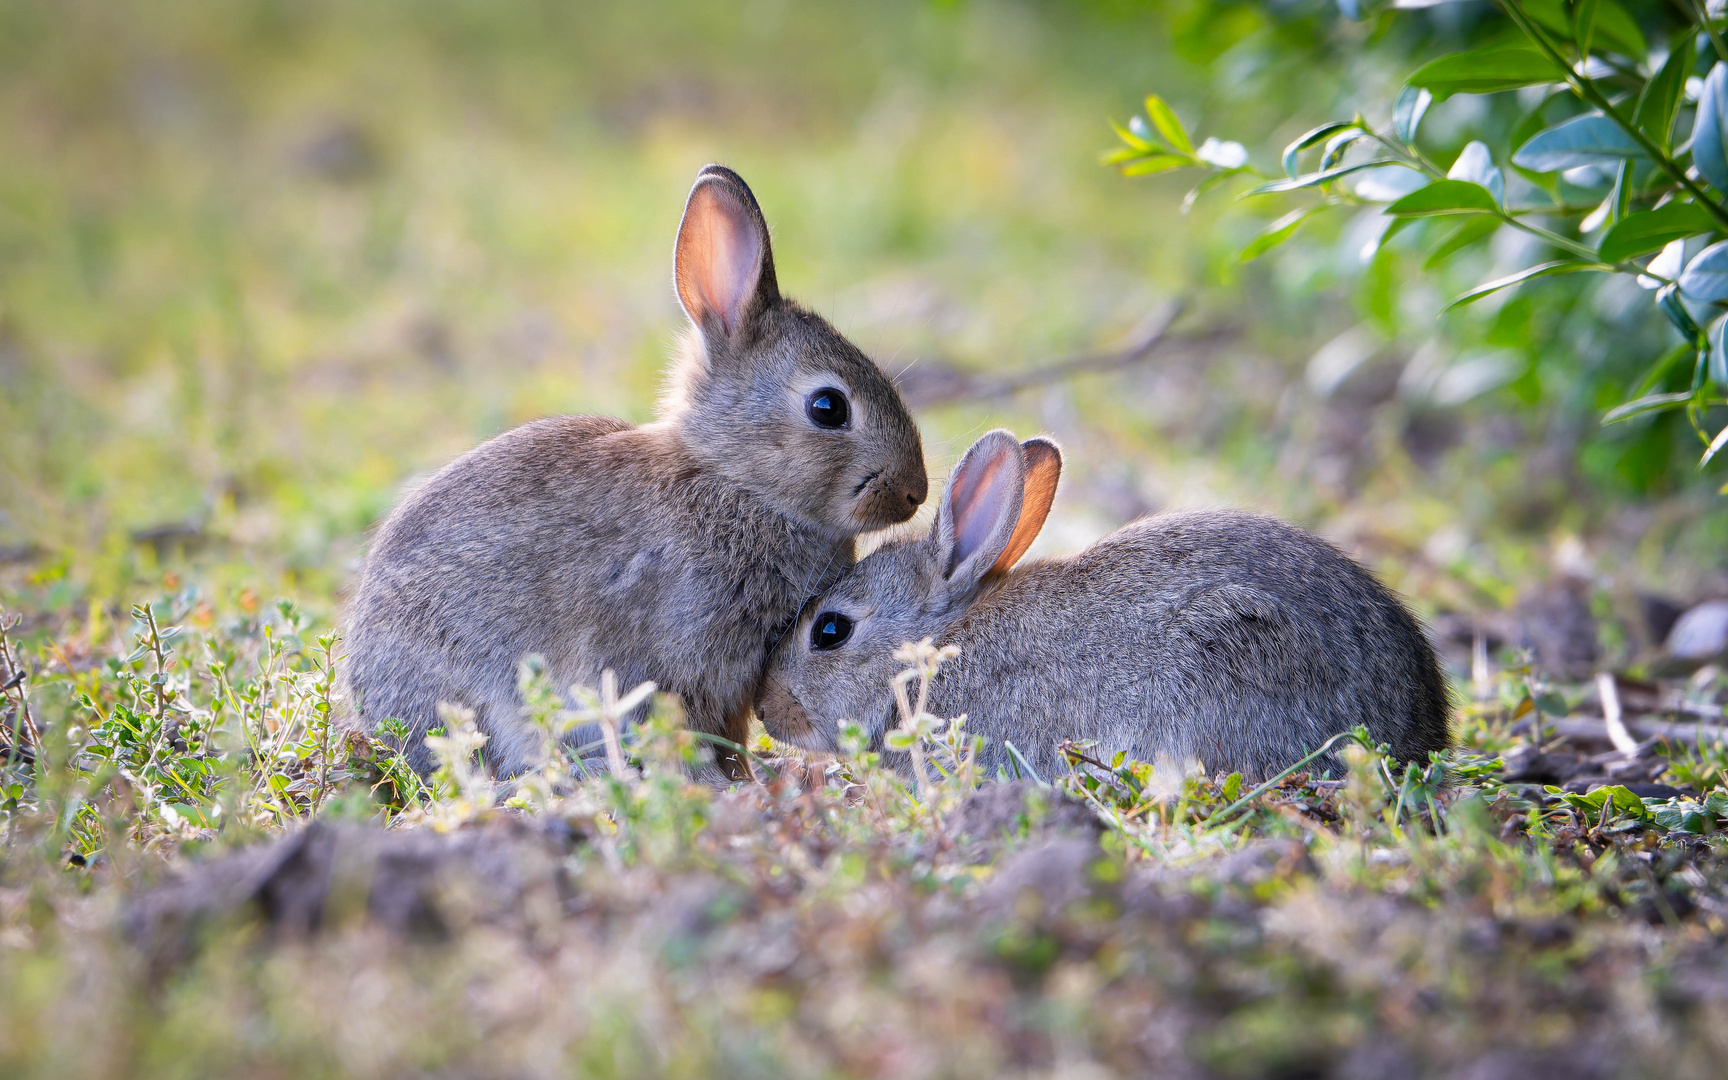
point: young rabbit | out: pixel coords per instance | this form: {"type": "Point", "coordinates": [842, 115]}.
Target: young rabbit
{"type": "Point", "coordinates": [678, 551]}
{"type": "Point", "coordinates": [1235, 639]}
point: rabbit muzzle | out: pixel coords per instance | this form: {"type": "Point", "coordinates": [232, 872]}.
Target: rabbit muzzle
{"type": "Point", "coordinates": [885, 498]}
{"type": "Point", "coordinates": [784, 717]}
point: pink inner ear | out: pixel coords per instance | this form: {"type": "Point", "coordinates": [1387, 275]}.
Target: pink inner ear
{"type": "Point", "coordinates": [981, 500]}
{"type": "Point", "coordinates": [735, 265]}
{"type": "Point", "coordinates": [719, 256]}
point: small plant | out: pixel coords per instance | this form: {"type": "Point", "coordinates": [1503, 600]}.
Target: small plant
{"type": "Point", "coordinates": [1702, 767]}
{"type": "Point", "coordinates": [193, 735]}
{"type": "Point", "coordinates": [953, 752]}
{"type": "Point", "coordinates": [461, 789]}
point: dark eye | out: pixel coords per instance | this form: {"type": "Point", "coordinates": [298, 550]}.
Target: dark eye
{"type": "Point", "coordinates": [830, 630]}
{"type": "Point", "coordinates": [828, 408]}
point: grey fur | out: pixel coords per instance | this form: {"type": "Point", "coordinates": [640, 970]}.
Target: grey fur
{"type": "Point", "coordinates": [1224, 636]}
{"type": "Point", "coordinates": [677, 551]}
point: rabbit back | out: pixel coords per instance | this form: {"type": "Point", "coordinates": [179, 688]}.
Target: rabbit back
{"type": "Point", "coordinates": [594, 544]}
{"type": "Point", "coordinates": [1232, 638]}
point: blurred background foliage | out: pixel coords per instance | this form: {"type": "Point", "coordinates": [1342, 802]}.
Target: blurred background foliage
{"type": "Point", "coordinates": [264, 263]}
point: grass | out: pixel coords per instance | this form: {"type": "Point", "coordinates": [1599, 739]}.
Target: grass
{"type": "Point", "coordinates": [841, 920]}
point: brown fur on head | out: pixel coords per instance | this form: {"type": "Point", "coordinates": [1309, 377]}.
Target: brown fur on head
{"type": "Point", "coordinates": [754, 366]}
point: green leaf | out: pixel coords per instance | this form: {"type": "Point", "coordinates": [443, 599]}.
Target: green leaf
{"type": "Point", "coordinates": [1668, 301]}
{"type": "Point", "coordinates": [1662, 366]}
{"type": "Point", "coordinates": [1563, 266]}
{"type": "Point", "coordinates": [1407, 113]}
{"type": "Point", "coordinates": [1532, 122]}
{"type": "Point", "coordinates": [1475, 164]}
{"type": "Point", "coordinates": [1715, 446]}
{"type": "Point", "coordinates": [1710, 129]}
{"type": "Point", "coordinates": [1486, 71]}
{"type": "Point", "coordinates": [1398, 225]}
{"type": "Point", "coordinates": [1617, 29]}
{"type": "Point", "coordinates": [1168, 126]}
{"type": "Point", "coordinates": [1466, 234]}
{"type": "Point", "coordinates": [1706, 276]}
{"type": "Point", "coordinates": [1610, 27]}
{"type": "Point", "coordinates": [1647, 404]}
{"type": "Point", "coordinates": [1135, 143]}
{"type": "Point", "coordinates": [1318, 178]}
{"type": "Point", "coordinates": [1324, 131]}
{"type": "Point", "coordinates": [1336, 146]}
{"type": "Point", "coordinates": [1718, 362]}
{"type": "Point", "coordinates": [1276, 233]}
{"type": "Point", "coordinates": [1591, 139]}
{"type": "Point", "coordinates": [1651, 230]}
{"type": "Point", "coordinates": [1626, 801]}
{"type": "Point", "coordinates": [1584, 24]}
{"type": "Point", "coordinates": [1445, 197]}
{"type": "Point", "coordinates": [1660, 98]}
{"type": "Point", "coordinates": [1552, 704]}
{"type": "Point", "coordinates": [1146, 166]}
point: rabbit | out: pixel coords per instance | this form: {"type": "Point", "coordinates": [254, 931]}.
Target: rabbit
{"type": "Point", "coordinates": [1218, 635]}
{"type": "Point", "coordinates": [677, 551]}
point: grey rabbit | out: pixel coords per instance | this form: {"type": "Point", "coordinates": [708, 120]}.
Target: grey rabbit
{"type": "Point", "coordinates": [1224, 636]}
{"type": "Point", "coordinates": [677, 551]}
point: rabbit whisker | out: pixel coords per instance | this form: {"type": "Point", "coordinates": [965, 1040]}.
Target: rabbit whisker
{"type": "Point", "coordinates": [864, 483]}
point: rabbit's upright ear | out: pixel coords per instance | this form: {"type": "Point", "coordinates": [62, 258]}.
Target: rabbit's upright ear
{"type": "Point", "coordinates": [1042, 460]}
{"type": "Point", "coordinates": [723, 265]}
{"type": "Point", "coordinates": [979, 510]}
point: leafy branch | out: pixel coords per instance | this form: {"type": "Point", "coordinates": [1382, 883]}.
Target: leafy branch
{"type": "Point", "coordinates": [1661, 196]}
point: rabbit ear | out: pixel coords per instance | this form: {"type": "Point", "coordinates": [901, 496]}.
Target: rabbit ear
{"type": "Point", "coordinates": [723, 265]}
{"type": "Point", "coordinates": [1042, 460]}
{"type": "Point", "coordinates": [979, 510]}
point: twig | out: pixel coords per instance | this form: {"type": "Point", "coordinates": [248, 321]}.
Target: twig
{"type": "Point", "coordinates": [609, 722]}
{"type": "Point", "coordinates": [1068, 748]}
{"type": "Point", "coordinates": [1686, 734]}
{"type": "Point", "coordinates": [909, 722]}
{"type": "Point", "coordinates": [612, 711]}
{"type": "Point", "coordinates": [1617, 733]}
{"type": "Point", "coordinates": [1151, 337]}
{"type": "Point", "coordinates": [328, 644]}
{"type": "Point", "coordinates": [1481, 674]}
{"type": "Point", "coordinates": [23, 724]}
{"type": "Point", "coordinates": [158, 685]}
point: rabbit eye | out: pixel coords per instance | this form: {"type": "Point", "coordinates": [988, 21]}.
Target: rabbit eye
{"type": "Point", "coordinates": [828, 408]}
{"type": "Point", "coordinates": [830, 631]}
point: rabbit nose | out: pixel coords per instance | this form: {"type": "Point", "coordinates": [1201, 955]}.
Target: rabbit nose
{"type": "Point", "coordinates": [917, 491]}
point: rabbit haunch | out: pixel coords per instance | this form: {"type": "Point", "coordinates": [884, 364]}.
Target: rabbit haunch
{"type": "Point", "coordinates": [1222, 636]}
{"type": "Point", "coordinates": [677, 551]}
